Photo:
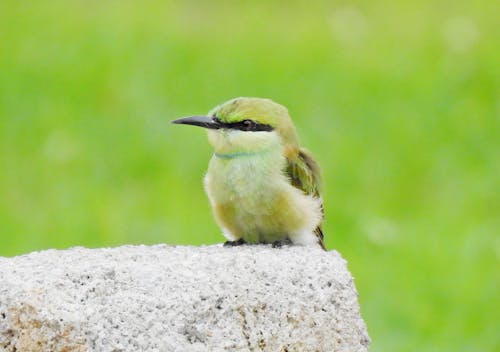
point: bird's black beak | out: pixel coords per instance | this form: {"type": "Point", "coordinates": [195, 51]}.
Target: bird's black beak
{"type": "Point", "coordinates": [202, 121]}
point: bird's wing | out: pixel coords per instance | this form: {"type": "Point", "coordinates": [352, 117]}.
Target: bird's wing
{"type": "Point", "coordinates": [305, 174]}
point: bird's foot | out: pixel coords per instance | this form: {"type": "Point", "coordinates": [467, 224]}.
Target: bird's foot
{"type": "Point", "coordinates": [234, 243]}
{"type": "Point", "coordinates": [280, 243]}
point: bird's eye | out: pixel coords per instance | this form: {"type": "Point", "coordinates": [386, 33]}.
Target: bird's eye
{"type": "Point", "coordinates": [248, 124]}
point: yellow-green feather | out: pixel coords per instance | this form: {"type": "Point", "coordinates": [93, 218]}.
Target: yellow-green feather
{"type": "Point", "coordinates": [305, 174]}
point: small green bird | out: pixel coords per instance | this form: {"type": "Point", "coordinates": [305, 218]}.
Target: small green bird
{"type": "Point", "coordinates": [263, 187]}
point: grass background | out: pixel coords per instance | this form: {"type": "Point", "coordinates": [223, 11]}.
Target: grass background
{"type": "Point", "coordinates": [399, 102]}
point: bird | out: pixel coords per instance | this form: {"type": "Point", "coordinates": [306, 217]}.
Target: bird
{"type": "Point", "coordinates": [263, 187]}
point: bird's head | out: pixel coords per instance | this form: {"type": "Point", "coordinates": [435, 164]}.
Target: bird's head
{"type": "Point", "coordinates": [246, 125]}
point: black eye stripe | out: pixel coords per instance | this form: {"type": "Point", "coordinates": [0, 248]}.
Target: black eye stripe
{"type": "Point", "coordinates": [250, 126]}
{"type": "Point", "coordinates": [245, 125]}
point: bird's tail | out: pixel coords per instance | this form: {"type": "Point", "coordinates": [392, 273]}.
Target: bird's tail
{"type": "Point", "coordinates": [319, 234]}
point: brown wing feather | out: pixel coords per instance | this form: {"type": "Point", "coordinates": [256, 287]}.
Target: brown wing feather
{"type": "Point", "coordinates": [305, 174]}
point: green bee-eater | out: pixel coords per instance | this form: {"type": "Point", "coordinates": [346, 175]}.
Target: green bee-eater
{"type": "Point", "coordinates": [263, 187]}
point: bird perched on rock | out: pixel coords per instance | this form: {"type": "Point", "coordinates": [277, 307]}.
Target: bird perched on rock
{"type": "Point", "coordinates": [263, 187]}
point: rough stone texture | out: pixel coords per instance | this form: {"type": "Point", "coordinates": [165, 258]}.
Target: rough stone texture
{"type": "Point", "coordinates": [163, 298]}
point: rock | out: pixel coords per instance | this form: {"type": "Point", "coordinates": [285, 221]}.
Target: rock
{"type": "Point", "coordinates": [178, 298]}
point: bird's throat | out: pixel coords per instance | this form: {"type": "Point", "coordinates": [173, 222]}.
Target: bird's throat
{"type": "Point", "coordinates": [242, 154]}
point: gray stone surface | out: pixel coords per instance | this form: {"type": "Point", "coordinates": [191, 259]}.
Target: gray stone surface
{"type": "Point", "coordinates": [164, 298]}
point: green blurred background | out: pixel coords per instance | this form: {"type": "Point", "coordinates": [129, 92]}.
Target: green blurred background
{"type": "Point", "coordinates": [398, 101]}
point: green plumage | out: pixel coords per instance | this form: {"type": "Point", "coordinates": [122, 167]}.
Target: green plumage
{"type": "Point", "coordinates": [305, 174]}
{"type": "Point", "coordinates": [263, 187]}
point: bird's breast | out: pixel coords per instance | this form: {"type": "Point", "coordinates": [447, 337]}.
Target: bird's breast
{"type": "Point", "coordinates": [245, 179]}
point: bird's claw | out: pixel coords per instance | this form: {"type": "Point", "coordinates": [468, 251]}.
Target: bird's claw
{"type": "Point", "coordinates": [234, 243]}
{"type": "Point", "coordinates": [281, 243]}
